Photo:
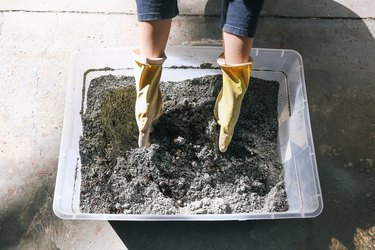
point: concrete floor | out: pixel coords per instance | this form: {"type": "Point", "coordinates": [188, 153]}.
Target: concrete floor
{"type": "Point", "coordinates": [337, 42]}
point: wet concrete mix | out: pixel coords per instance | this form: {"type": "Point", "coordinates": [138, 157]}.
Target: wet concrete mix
{"type": "Point", "coordinates": [183, 172]}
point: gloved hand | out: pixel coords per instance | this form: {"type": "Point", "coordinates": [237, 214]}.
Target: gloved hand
{"type": "Point", "coordinates": [149, 102]}
{"type": "Point", "coordinates": [236, 79]}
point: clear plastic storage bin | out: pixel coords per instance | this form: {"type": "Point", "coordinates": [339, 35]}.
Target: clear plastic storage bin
{"type": "Point", "coordinates": [295, 142]}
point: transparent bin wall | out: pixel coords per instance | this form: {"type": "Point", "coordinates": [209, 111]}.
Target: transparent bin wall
{"type": "Point", "coordinates": [295, 142]}
{"type": "Point", "coordinates": [295, 137]}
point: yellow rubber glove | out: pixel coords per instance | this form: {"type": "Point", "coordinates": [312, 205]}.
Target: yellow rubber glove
{"type": "Point", "coordinates": [236, 79]}
{"type": "Point", "coordinates": [149, 102]}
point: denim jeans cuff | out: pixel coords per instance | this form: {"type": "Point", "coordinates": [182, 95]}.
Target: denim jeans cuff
{"type": "Point", "coordinates": [238, 31]}
{"type": "Point", "coordinates": [156, 16]}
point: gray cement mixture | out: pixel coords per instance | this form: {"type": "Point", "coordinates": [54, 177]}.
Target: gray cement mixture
{"type": "Point", "coordinates": [183, 172]}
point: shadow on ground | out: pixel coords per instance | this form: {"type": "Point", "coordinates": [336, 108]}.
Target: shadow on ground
{"type": "Point", "coordinates": [339, 68]}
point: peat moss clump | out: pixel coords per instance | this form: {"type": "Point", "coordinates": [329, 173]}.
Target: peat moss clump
{"type": "Point", "coordinates": [108, 121]}
{"type": "Point", "coordinates": [117, 118]}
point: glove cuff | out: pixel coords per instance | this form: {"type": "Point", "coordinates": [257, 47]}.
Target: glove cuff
{"type": "Point", "coordinates": [148, 61]}
{"type": "Point", "coordinates": [221, 61]}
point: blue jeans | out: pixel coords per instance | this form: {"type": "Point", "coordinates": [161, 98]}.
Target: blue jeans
{"type": "Point", "coordinates": [239, 17]}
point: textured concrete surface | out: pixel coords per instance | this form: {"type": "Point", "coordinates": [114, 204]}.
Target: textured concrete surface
{"type": "Point", "coordinates": [337, 42]}
{"type": "Point", "coordinates": [303, 8]}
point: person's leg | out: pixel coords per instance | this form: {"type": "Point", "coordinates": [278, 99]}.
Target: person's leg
{"type": "Point", "coordinates": [154, 24]}
{"type": "Point", "coordinates": [239, 21]}
{"type": "Point", "coordinates": [236, 48]}
{"type": "Point", "coordinates": [153, 37]}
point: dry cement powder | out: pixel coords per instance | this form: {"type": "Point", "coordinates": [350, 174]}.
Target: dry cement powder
{"type": "Point", "coordinates": [183, 172]}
